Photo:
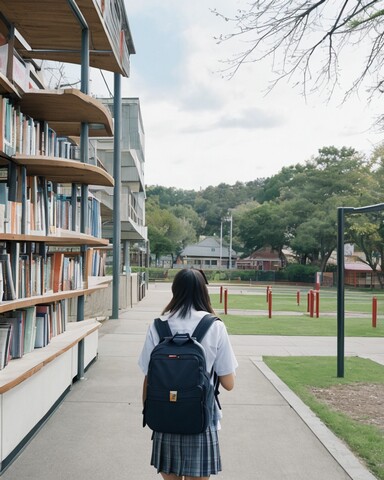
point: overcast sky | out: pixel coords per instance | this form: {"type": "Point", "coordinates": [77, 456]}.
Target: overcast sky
{"type": "Point", "coordinates": [202, 129]}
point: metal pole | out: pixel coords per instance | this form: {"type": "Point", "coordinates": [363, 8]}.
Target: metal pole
{"type": "Point", "coordinates": [340, 292]}
{"type": "Point", "coordinates": [84, 158]}
{"type": "Point", "coordinates": [221, 242]}
{"type": "Point", "coordinates": [230, 243]}
{"type": "Point", "coordinates": [116, 195]}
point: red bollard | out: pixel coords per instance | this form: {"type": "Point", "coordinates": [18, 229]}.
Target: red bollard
{"type": "Point", "coordinates": [298, 298]}
{"type": "Point", "coordinates": [311, 303]}
{"type": "Point", "coordinates": [374, 312]}
{"type": "Point", "coordinates": [267, 295]}
{"type": "Point", "coordinates": [317, 286]}
{"type": "Point", "coordinates": [221, 294]}
{"type": "Point", "coordinates": [317, 293]}
{"type": "Point", "coordinates": [225, 301]}
{"type": "Point", "coordinates": [270, 304]}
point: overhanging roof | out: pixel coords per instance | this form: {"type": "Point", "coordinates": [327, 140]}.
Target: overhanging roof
{"type": "Point", "coordinates": [53, 32]}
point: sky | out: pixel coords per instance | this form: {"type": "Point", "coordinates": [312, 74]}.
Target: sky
{"type": "Point", "coordinates": [204, 129]}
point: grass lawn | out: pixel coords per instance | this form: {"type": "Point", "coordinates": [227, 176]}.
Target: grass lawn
{"type": "Point", "coordinates": [299, 325]}
{"type": "Point", "coordinates": [302, 374]}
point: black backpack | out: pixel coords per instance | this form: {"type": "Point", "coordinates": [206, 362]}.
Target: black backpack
{"type": "Point", "coordinates": [180, 397]}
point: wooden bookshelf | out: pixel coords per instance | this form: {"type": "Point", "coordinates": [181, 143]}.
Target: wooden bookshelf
{"type": "Point", "coordinates": [95, 284]}
{"type": "Point", "coordinates": [52, 30]}
{"type": "Point", "coordinates": [60, 238]}
{"type": "Point", "coordinates": [64, 171]}
{"type": "Point", "coordinates": [6, 86]}
{"type": "Point", "coordinates": [30, 364]}
{"type": "Point", "coordinates": [66, 109]}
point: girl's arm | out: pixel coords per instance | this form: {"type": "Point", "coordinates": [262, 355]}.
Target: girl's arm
{"type": "Point", "coordinates": [227, 381]}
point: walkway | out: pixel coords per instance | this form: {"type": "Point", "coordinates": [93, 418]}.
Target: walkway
{"type": "Point", "coordinates": [268, 434]}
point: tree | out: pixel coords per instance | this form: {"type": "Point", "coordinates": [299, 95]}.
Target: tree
{"type": "Point", "coordinates": [309, 38]}
{"type": "Point", "coordinates": [165, 232]}
{"type": "Point", "coordinates": [367, 231]}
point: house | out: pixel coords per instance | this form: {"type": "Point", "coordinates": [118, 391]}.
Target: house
{"type": "Point", "coordinates": [265, 259]}
{"type": "Point", "coordinates": [207, 254]}
{"type": "Point", "coordinates": [359, 274]}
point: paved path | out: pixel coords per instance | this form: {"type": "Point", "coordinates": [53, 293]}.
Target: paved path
{"type": "Point", "coordinates": [268, 434]}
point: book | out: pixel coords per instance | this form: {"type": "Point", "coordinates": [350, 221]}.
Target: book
{"type": "Point", "coordinates": [17, 320]}
{"type": "Point", "coordinates": [5, 341]}
{"type": "Point", "coordinates": [40, 339]}
{"type": "Point", "coordinates": [8, 284]}
{"type": "Point", "coordinates": [57, 269]}
{"type": "Point", "coordinates": [29, 329]}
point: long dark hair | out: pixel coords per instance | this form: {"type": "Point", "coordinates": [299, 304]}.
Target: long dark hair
{"type": "Point", "coordinates": [189, 290]}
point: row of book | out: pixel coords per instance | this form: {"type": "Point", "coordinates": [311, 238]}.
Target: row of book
{"type": "Point", "coordinates": [20, 133]}
{"type": "Point", "coordinates": [39, 272]}
{"type": "Point", "coordinates": [33, 205]}
{"type": "Point", "coordinates": [21, 331]}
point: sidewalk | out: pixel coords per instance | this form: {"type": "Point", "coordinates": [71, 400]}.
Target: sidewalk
{"type": "Point", "coordinates": [268, 434]}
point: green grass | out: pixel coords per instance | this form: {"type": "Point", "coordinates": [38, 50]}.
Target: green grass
{"type": "Point", "coordinates": [302, 373]}
{"type": "Point", "coordinates": [299, 325]}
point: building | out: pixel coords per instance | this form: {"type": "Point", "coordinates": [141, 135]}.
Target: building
{"type": "Point", "coordinates": [134, 235]}
{"type": "Point", "coordinates": [207, 254]}
{"type": "Point", "coordinates": [265, 259]}
{"type": "Point", "coordinates": [359, 274]}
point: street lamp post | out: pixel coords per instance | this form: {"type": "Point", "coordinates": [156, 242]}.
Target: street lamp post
{"type": "Point", "coordinates": [221, 243]}
{"type": "Point", "coordinates": [227, 219]}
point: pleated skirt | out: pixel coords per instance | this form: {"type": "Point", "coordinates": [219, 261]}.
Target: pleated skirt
{"type": "Point", "coordinates": [191, 455]}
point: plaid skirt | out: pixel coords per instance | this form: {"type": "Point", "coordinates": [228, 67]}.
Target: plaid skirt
{"type": "Point", "coordinates": [191, 455]}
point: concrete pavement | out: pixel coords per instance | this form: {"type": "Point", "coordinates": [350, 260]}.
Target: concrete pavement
{"type": "Point", "coordinates": [267, 434]}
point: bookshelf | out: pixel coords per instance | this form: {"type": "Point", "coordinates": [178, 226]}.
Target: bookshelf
{"type": "Point", "coordinates": [38, 176]}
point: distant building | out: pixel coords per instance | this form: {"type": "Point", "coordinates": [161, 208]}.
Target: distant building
{"type": "Point", "coordinates": [207, 254]}
{"type": "Point", "coordinates": [359, 274]}
{"type": "Point", "coordinates": [264, 259]}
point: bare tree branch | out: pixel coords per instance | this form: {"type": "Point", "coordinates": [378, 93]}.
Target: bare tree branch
{"type": "Point", "coordinates": [307, 38]}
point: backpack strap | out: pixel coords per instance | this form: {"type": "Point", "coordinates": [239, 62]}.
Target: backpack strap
{"type": "Point", "coordinates": [162, 328]}
{"type": "Point", "coordinates": [199, 332]}
{"type": "Point", "coordinates": [203, 326]}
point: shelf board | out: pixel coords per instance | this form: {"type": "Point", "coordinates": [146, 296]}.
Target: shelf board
{"type": "Point", "coordinates": [62, 238]}
{"type": "Point", "coordinates": [23, 368]}
{"type": "Point", "coordinates": [62, 170]}
{"type": "Point", "coordinates": [94, 285]}
{"type": "Point", "coordinates": [66, 109]}
{"type": "Point", "coordinates": [53, 32]}
{"type": "Point", "coordinates": [6, 86]}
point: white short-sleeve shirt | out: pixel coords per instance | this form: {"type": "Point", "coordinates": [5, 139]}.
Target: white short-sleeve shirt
{"type": "Point", "coordinates": [218, 349]}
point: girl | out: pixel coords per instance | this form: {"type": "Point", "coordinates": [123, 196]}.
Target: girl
{"type": "Point", "coordinates": [191, 457]}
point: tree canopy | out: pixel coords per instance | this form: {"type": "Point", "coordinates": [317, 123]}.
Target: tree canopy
{"type": "Point", "coordinates": [295, 208]}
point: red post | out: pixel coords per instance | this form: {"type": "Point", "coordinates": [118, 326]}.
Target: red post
{"type": "Point", "coordinates": [298, 297]}
{"type": "Point", "coordinates": [267, 295]}
{"type": "Point", "coordinates": [270, 304]}
{"type": "Point", "coordinates": [221, 294]}
{"type": "Point", "coordinates": [374, 312]}
{"type": "Point", "coordinates": [311, 303]}
{"type": "Point", "coordinates": [317, 293]}
{"type": "Point", "coordinates": [317, 286]}
{"type": "Point", "coordinates": [225, 301]}
{"type": "Point", "coordinates": [308, 301]}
